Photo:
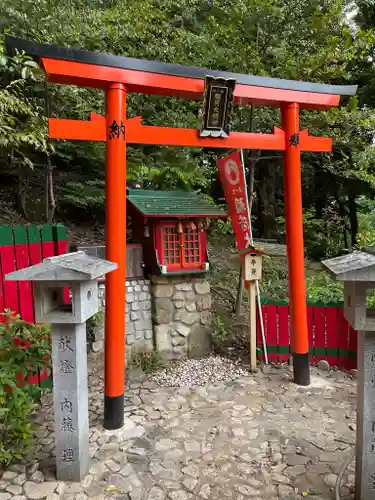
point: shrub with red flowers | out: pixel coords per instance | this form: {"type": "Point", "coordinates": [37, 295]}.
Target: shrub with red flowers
{"type": "Point", "coordinates": [24, 348]}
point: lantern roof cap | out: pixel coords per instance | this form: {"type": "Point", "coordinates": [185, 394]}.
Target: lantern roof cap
{"type": "Point", "coordinates": [173, 204]}
{"type": "Point", "coordinates": [356, 266]}
{"type": "Point", "coordinates": [75, 266]}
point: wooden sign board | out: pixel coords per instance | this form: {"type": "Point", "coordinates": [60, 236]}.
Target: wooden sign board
{"type": "Point", "coordinates": [253, 267]}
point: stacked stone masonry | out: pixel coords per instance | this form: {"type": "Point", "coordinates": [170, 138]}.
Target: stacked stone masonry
{"type": "Point", "coordinates": [138, 316]}
{"type": "Point", "coordinates": [172, 314]}
{"type": "Point", "coordinates": [182, 315]}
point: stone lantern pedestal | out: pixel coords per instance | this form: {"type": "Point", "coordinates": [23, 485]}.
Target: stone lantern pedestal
{"type": "Point", "coordinates": [67, 312]}
{"type": "Point", "coordinates": [357, 271]}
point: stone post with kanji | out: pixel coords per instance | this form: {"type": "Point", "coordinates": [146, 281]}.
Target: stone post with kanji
{"type": "Point", "coordinates": [357, 272]}
{"type": "Point", "coordinates": [66, 295]}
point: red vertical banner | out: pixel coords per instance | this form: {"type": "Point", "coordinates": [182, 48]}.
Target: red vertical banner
{"type": "Point", "coordinates": [26, 299]}
{"type": "Point", "coordinates": [232, 178]}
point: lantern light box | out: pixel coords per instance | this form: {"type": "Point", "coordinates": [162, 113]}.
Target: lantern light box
{"type": "Point", "coordinates": [172, 228]}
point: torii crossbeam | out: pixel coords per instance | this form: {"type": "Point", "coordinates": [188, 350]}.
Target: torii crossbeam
{"type": "Point", "coordinates": [117, 75]}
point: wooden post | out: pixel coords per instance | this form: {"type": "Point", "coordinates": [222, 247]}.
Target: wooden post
{"type": "Point", "coordinates": [252, 262]}
{"type": "Point", "coordinates": [252, 326]}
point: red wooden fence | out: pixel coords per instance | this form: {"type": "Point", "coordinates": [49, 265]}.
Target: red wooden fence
{"type": "Point", "coordinates": [330, 335]}
{"type": "Point", "coordinates": [20, 247]}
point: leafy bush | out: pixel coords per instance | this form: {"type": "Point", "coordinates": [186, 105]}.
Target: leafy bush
{"type": "Point", "coordinates": [220, 332]}
{"type": "Point", "coordinates": [219, 228]}
{"type": "Point", "coordinates": [147, 361]}
{"type": "Point", "coordinates": [24, 348]}
{"type": "Point", "coordinates": [366, 238]}
{"type": "Point", "coordinates": [274, 283]}
{"type": "Point", "coordinates": [92, 324]}
{"type": "Point", "coordinates": [323, 238]}
{"type": "Point", "coordinates": [320, 287]}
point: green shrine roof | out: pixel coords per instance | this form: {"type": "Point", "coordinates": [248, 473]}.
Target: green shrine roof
{"type": "Point", "coordinates": [172, 203]}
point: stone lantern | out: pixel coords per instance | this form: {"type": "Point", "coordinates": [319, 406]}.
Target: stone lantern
{"type": "Point", "coordinates": [357, 272]}
{"type": "Point", "coordinates": [66, 295]}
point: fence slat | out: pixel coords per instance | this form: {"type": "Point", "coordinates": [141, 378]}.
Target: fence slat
{"type": "Point", "coordinates": [8, 266]}
{"type": "Point", "coordinates": [48, 245]}
{"type": "Point", "coordinates": [342, 340]}
{"type": "Point", "coordinates": [259, 333]}
{"type": "Point", "coordinates": [283, 333]}
{"type": "Point", "coordinates": [61, 247]}
{"type": "Point", "coordinates": [353, 343]}
{"type": "Point", "coordinates": [331, 339]}
{"type": "Point", "coordinates": [2, 298]}
{"type": "Point", "coordinates": [272, 340]}
{"type": "Point", "coordinates": [35, 245]}
{"type": "Point", "coordinates": [320, 351]}
{"type": "Point", "coordinates": [310, 331]}
{"type": "Point", "coordinates": [24, 287]}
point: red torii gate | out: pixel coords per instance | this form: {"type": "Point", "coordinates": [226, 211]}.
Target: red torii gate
{"type": "Point", "coordinates": [117, 75]}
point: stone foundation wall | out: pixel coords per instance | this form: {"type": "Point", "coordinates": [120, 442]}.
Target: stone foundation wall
{"type": "Point", "coordinates": [181, 311]}
{"type": "Point", "coordinates": [172, 314]}
{"type": "Point", "coordinates": [138, 316]}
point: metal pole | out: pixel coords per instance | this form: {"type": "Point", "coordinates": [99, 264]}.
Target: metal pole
{"type": "Point", "coordinates": [295, 247]}
{"type": "Point", "coordinates": [114, 377]}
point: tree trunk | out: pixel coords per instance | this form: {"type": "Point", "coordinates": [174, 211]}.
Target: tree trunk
{"type": "Point", "coordinates": [50, 201]}
{"type": "Point", "coordinates": [22, 193]}
{"type": "Point", "coordinates": [353, 218]}
{"type": "Point", "coordinates": [266, 218]}
{"type": "Point", "coordinates": [320, 192]}
{"type": "Point", "coordinates": [50, 195]}
{"type": "Point", "coordinates": [345, 238]}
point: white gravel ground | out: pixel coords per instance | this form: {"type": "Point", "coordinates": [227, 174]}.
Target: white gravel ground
{"type": "Point", "coordinates": [198, 372]}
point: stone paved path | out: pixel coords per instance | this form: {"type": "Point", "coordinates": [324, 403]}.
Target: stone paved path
{"type": "Point", "coordinates": [258, 437]}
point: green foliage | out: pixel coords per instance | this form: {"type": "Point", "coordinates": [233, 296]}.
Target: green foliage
{"type": "Point", "coordinates": [22, 124]}
{"type": "Point", "coordinates": [220, 332]}
{"type": "Point", "coordinates": [147, 361]}
{"type": "Point", "coordinates": [320, 287]}
{"type": "Point", "coordinates": [323, 237]}
{"type": "Point", "coordinates": [23, 349]}
{"type": "Point", "coordinates": [220, 228]}
{"type": "Point", "coordinates": [274, 283]}
{"type": "Point", "coordinates": [96, 319]}
{"type": "Point", "coordinates": [366, 238]}
{"type": "Point", "coordinates": [294, 39]}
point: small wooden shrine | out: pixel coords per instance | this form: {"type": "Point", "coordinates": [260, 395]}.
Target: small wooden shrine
{"type": "Point", "coordinates": [172, 228]}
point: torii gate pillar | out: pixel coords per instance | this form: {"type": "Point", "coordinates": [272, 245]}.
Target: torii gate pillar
{"type": "Point", "coordinates": [115, 325]}
{"type": "Point", "coordinates": [295, 246]}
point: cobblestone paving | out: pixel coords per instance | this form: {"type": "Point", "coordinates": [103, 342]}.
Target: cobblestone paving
{"type": "Point", "coordinates": [257, 437]}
